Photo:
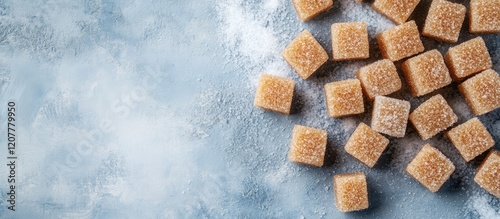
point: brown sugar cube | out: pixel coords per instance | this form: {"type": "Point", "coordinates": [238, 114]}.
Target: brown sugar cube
{"type": "Point", "coordinates": [400, 42]}
{"type": "Point", "coordinates": [274, 93]}
{"type": "Point", "coordinates": [444, 21]}
{"type": "Point", "coordinates": [308, 146]}
{"type": "Point", "coordinates": [390, 116]}
{"type": "Point", "coordinates": [482, 92]}
{"type": "Point", "coordinates": [471, 139]}
{"type": "Point", "coordinates": [426, 72]}
{"type": "Point", "coordinates": [350, 41]}
{"type": "Point", "coordinates": [344, 98]}
{"type": "Point", "coordinates": [431, 168]}
{"type": "Point", "coordinates": [305, 54]}
{"type": "Point", "coordinates": [484, 16]}
{"type": "Point", "coordinates": [397, 10]}
{"type": "Point", "coordinates": [366, 145]}
{"type": "Point", "coordinates": [488, 174]}
{"type": "Point", "coordinates": [379, 78]}
{"type": "Point", "coordinates": [432, 117]}
{"type": "Point", "coordinates": [468, 58]}
{"type": "Point", "coordinates": [351, 192]}
{"type": "Point", "coordinates": [307, 9]}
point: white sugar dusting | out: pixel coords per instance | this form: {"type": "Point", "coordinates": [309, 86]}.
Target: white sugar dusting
{"type": "Point", "coordinates": [273, 5]}
{"type": "Point", "coordinates": [483, 207]}
{"type": "Point", "coordinates": [250, 38]}
{"type": "Point", "coordinates": [375, 22]}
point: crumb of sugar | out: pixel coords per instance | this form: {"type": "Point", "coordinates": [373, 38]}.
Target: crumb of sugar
{"type": "Point", "coordinates": [363, 12]}
{"type": "Point", "coordinates": [484, 205]}
{"type": "Point", "coordinates": [273, 5]}
{"type": "Point", "coordinates": [254, 47]}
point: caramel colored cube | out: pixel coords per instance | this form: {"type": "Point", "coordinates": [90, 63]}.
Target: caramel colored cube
{"type": "Point", "coordinates": [444, 21]}
{"type": "Point", "coordinates": [397, 10]}
{"type": "Point", "coordinates": [308, 146]}
{"type": "Point", "coordinates": [305, 54]}
{"type": "Point", "coordinates": [350, 41]}
{"type": "Point", "coordinates": [468, 58]}
{"type": "Point", "coordinates": [307, 9]}
{"type": "Point", "coordinates": [482, 92]}
{"type": "Point", "coordinates": [379, 78]}
{"type": "Point", "coordinates": [426, 72]}
{"type": "Point", "coordinates": [471, 139]}
{"type": "Point", "coordinates": [274, 93]}
{"type": "Point", "coordinates": [366, 145]}
{"type": "Point", "coordinates": [484, 16]}
{"type": "Point", "coordinates": [488, 174]}
{"type": "Point", "coordinates": [351, 192]}
{"type": "Point", "coordinates": [390, 116]}
{"type": "Point", "coordinates": [432, 117]}
{"type": "Point", "coordinates": [344, 98]}
{"type": "Point", "coordinates": [431, 168]}
{"type": "Point", "coordinates": [400, 42]}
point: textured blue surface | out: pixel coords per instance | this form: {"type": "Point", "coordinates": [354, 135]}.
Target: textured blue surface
{"type": "Point", "coordinates": [144, 109]}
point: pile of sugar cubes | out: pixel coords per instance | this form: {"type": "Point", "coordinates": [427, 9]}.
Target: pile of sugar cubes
{"type": "Point", "coordinates": [468, 63]}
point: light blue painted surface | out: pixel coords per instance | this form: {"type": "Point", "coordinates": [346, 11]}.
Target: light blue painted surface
{"type": "Point", "coordinates": [136, 109]}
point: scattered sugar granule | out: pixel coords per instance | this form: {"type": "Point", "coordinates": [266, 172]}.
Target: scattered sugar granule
{"type": "Point", "coordinates": [350, 41]}
{"type": "Point", "coordinates": [444, 21]}
{"type": "Point", "coordinates": [431, 168]}
{"type": "Point", "coordinates": [488, 174]}
{"type": "Point", "coordinates": [484, 16]}
{"type": "Point", "coordinates": [400, 41]}
{"type": "Point", "coordinates": [351, 192]}
{"type": "Point", "coordinates": [274, 93]}
{"type": "Point", "coordinates": [468, 58]}
{"type": "Point", "coordinates": [308, 146]}
{"type": "Point", "coordinates": [470, 139]}
{"type": "Point", "coordinates": [482, 92]}
{"type": "Point", "coordinates": [426, 72]}
{"type": "Point", "coordinates": [305, 54]}
{"type": "Point", "coordinates": [307, 9]}
{"type": "Point", "coordinates": [344, 98]}
{"type": "Point", "coordinates": [366, 145]}
{"type": "Point", "coordinates": [396, 10]}
{"type": "Point", "coordinates": [390, 116]}
{"type": "Point", "coordinates": [432, 117]}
